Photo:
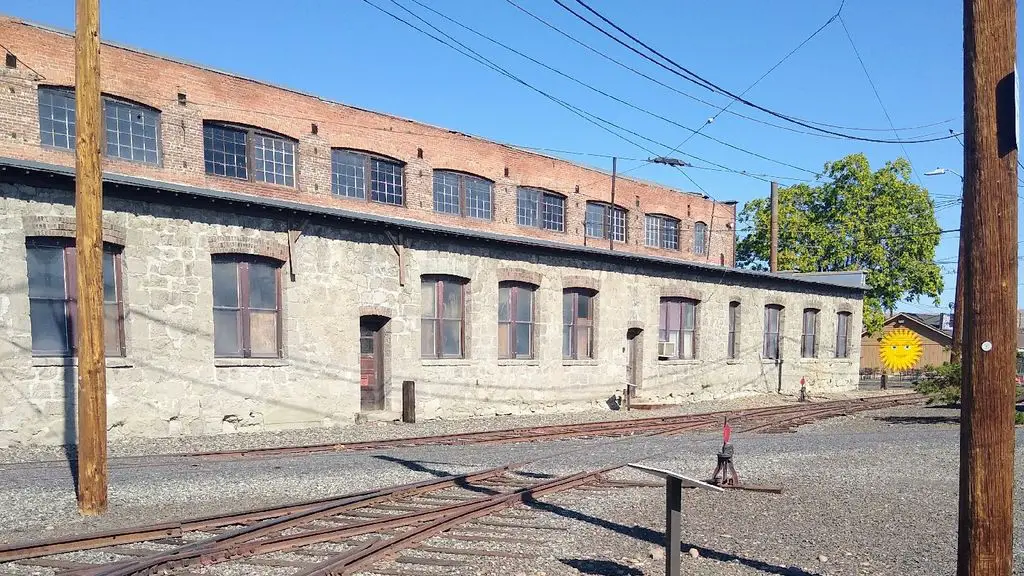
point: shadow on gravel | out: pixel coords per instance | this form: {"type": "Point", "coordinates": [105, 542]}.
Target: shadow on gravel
{"type": "Point", "coordinates": [658, 538]}
{"type": "Point", "coordinates": [419, 467]}
{"type": "Point", "coordinates": [601, 567]}
{"type": "Point", "coordinates": [919, 419]}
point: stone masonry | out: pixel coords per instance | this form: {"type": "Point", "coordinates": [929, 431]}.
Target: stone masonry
{"type": "Point", "coordinates": [170, 384]}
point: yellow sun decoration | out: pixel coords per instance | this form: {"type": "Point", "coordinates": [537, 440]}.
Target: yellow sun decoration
{"type": "Point", "coordinates": [900, 350]}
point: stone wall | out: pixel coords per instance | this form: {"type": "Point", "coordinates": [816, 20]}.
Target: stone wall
{"type": "Point", "coordinates": [170, 384]}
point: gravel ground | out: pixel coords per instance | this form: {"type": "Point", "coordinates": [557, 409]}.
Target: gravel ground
{"type": "Point", "coordinates": [118, 447]}
{"type": "Point", "coordinates": [872, 493]}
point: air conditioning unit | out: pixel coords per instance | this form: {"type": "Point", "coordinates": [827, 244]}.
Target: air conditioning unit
{"type": "Point", "coordinates": [667, 349]}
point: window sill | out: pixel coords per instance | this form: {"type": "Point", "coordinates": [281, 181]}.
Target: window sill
{"type": "Point", "coordinates": [589, 362]}
{"type": "Point", "coordinates": [678, 361]}
{"type": "Point", "coordinates": [250, 362]}
{"type": "Point", "coordinates": [518, 362]}
{"type": "Point", "coordinates": [734, 361]}
{"type": "Point", "coordinates": [44, 361]}
{"type": "Point", "coordinates": [446, 362]}
{"type": "Point", "coordinates": [769, 361]}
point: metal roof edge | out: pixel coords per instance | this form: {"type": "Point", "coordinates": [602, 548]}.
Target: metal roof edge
{"type": "Point", "coordinates": [425, 227]}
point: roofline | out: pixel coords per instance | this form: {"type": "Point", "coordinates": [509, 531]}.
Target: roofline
{"type": "Point", "coordinates": [298, 92]}
{"type": "Point", "coordinates": [424, 227]}
{"type": "Point", "coordinates": [918, 322]}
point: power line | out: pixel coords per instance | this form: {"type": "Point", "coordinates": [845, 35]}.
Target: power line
{"type": "Point", "coordinates": [642, 74]}
{"type": "Point", "coordinates": [571, 78]}
{"type": "Point", "coordinates": [756, 82]}
{"type": "Point", "coordinates": [694, 78]}
{"type": "Point", "coordinates": [878, 97]}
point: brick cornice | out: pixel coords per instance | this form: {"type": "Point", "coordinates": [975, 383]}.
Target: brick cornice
{"type": "Point", "coordinates": [235, 244]}
{"type": "Point", "coordinates": [64, 227]}
{"type": "Point", "coordinates": [376, 311]}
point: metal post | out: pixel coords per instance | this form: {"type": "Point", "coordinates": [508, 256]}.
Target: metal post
{"type": "Point", "coordinates": [673, 529]}
{"type": "Point", "coordinates": [773, 255]}
{"type": "Point", "coordinates": [985, 537]}
{"type": "Point", "coordinates": [92, 387]}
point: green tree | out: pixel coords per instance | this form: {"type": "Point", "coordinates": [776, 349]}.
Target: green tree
{"type": "Point", "coordinates": [856, 219]}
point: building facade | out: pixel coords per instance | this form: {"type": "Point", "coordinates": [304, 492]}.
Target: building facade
{"type": "Point", "coordinates": [273, 260]}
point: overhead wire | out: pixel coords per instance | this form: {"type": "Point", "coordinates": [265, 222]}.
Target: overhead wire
{"type": "Point", "coordinates": [693, 132]}
{"type": "Point", "coordinates": [683, 72]}
{"type": "Point", "coordinates": [878, 96]}
{"type": "Point", "coordinates": [723, 109]}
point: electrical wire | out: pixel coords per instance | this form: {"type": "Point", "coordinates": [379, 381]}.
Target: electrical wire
{"type": "Point", "coordinates": [878, 97]}
{"type": "Point", "coordinates": [591, 87]}
{"type": "Point", "coordinates": [690, 76]}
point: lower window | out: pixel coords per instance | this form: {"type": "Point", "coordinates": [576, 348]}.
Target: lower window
{"type": "Point", "coordinates": [246, 307]}
{"type": "Point", "coordinates": [677, 328]}
{"type": "Point", "coordinates": [52, 294]}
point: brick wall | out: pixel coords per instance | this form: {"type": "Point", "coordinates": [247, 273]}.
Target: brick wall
{"type": "Point", "coordinates": [47, 58]}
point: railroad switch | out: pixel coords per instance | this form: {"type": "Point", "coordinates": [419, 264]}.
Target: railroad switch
{"type": "Point", "coordinates": [730, 478]}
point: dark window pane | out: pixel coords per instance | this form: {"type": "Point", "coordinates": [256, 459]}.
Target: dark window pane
{"type": "Point", "coordinates": [131, 130]}
{"type": "Point", "coordinates": [428, 298]}
{"type": "Point", "coordinates": [527, 203]}
{"type": "Point", "coordinates": [46, 272]}
{"type": "Point", "coordinates": [263, 333]}
{"type": "Point", "coordinates": [274, 158]}
{"type": "Point", "coordinates": [567, 306]}
{"type": "Point", "coordinates": [478, 197]}
{"type": "Point", "coordinates": [57, 117]}
{"type": "Point", "coordinates": [262, 286]}
{"type": "Point", "coordinates": [366, 342]}
{"type": "Point", "coordinates": [553, 213]}
{"type": "Point", "coordinates": [700, 238]}
{"type": "Point", "coordinates": [224, 151]}
{"type": "Point", "coordinates": [226, 339]}
{"type": "Point", "coordinates": [451, 338]}
{"type": "Point", "coordinates": [582, 306]}
{"type": "Point", "coordinates": [49, 327]}
{"type": "Point", "coordinates": [225, 284]}
{"type": "Point", "coordinates": [427, 328]}
{"type": "Point", "coordinates": [523, 339]}
{"type": "Point", "coordinates": [386, 182]}
{"type": "Point", "coordinates": [595, 221]}
{"type": "Point", "coordinates": [446, 192]}
{"type": "Point", "coordinates": [348, 174]}
{"type": "Point", "coordinates": [524, 305]}
{"type": "Point", "coordinates": [452, 300]}
{"type": "Point", "coordinates": [109, 278]}
{"type": "Point", "coordinates": [504, 296]}
{"type": "Point", "coordinates": [112, 329]}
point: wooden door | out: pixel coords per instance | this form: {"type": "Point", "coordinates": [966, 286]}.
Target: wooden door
{"type": "Point", "coordinates": [371, 378]}
{"type": "Point", "coordinates": [633, 356]}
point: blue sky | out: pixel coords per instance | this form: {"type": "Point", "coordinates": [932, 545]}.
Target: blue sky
{"type": "Point", "coordinates": [346, 50]}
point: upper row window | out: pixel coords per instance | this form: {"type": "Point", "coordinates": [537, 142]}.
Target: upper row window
{"type": "Point", "coordinates": [662, 232]}
{"type": "Point", "coordinates": [540, 209]}
{"type": "Point", "coordinates": [131, 129]}
{"type": "Point", "coordinates": [605, 221]}
{"type": "Point", "coordinates": [462, 194]}
{"type": "Point", "coordinates": [230, 151]}
{"type": "Point", "coordinates": [349, 172]}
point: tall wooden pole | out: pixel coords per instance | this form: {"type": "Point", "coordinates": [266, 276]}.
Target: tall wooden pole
{"type": "Point", "coordinates": [985, 544]}
{"type": "Point", "coordinates": [773, 250]}
{"type": "Point", "coordinates": [92, 388]}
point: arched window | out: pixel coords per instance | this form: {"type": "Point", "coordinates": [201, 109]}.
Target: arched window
{"type": "Point", "coordinates": [246, 306]}
{"type": "Point", "coordinates": [677, 326]}
{"type": "Point", "coordinates": [605, 221]}
{"type": "Point", "coordinates": [540, 209]}
{"type": "Point", "coordinates": [809, 335]}
{"type": "Point", "coordinates": [843, 335]}
{"type": "Point", "coordinates": [362, 175]}
{"type": "Point", "coordinates": [661, 231]}
{"type": "Point", "coordinates": [227, 150]}
{"type": "Point", "coordinates": [52, 294]}
{"type": "Point", "coordinates": [578, 323]}
{"type": "Point", "coordinates": [772, 328]}
{"type": "Point", "coordinates": [733, 350]}
{"type": "Point", "coordinates": [132, 130]}
{"type": "Point", "coordinates": [462, 194]}
{"type": "Point", "coordinates": [515, 319]}
{"type": "Point", "coordinates": [700, 238]}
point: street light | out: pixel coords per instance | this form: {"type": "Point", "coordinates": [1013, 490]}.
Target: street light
{"type": "Point", "coordinates": [941, 171]}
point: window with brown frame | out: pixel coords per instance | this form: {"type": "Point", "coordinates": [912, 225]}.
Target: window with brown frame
{"type": "Point", "coordinates": [677, 323]}
{"type": "Point", "coordinates": [246, 306]}
{"type": "Point", "coordinates": [843, 335]}
{"type": "Point", "coordinates": [809, 337]}
{"type": "Point", "coordinates": [442, 333]}
{"type": "Point", "coordinates": [462, 194]}
{"type": "Point", "coordinates": [578, 323]}
{"type": "Point", "coordinates": [515, 320]}
{"type": "Point", "coordinates": [772, 343]}
{"type": "Point", "coordinates": [52, 294]}
{"type": "Point", "coordinates": [360, 175]}
{"type": "Point", "coordinates": [733, 350]}
{"type": "Point", "coordinates": [248, 154]}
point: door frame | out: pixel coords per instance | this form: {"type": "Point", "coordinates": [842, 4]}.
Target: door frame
{"type": "Point", "coordinates": [381, 327]}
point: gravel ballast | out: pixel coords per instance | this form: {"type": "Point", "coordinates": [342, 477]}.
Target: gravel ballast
{"type": "Point", "coordinates": [871, 493]}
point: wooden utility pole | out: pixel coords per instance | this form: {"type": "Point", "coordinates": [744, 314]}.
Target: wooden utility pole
{"type": "Point", "coordinates": [985, 539]}
{"type": "Point", "coordinates": [773, 254]}
{"type": "Point", "coordinates": [92, 388]}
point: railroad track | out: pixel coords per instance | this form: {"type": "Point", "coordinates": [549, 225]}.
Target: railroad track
{"type": "Point", "coordinates": [455, 517]}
